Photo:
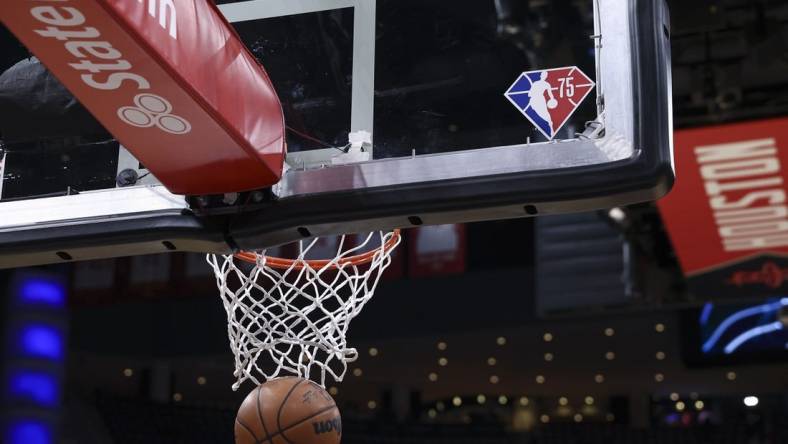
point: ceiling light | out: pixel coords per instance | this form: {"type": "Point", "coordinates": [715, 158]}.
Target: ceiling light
{"type": "Point", "coordinates": [617, 214]}
{"type": "Point", "coordinates": [548, 337]}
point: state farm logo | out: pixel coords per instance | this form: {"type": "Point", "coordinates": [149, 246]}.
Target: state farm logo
{"type": "Point", "coordinates": [161, 10]}
{"type": "Point", "coordinates": [152, 110]}
{"type": "Point", "coordinates": [103, 67]}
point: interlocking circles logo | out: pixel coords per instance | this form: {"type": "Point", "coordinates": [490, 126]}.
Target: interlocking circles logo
{"type": "Point", "coordinates": [152, 110]}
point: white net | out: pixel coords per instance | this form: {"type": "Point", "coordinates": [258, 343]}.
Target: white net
{"type": "Point", "coordinates": [292, 317]}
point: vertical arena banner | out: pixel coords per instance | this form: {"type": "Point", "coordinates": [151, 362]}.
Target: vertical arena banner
{"type": "Point", "coordinates": [727, 215]}
{"type": "Point", "coordinates": [170, 79]}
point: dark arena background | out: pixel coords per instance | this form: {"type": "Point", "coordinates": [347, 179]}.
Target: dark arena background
{"type": "Point", "coordinates": [629, 325]}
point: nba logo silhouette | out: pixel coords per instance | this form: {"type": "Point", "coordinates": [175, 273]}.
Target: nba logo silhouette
{"type": "Point", "coordinates": [548, 97]}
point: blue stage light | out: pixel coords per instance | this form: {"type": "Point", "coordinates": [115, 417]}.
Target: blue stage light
{"type": "Point", "coordinates": [41, 291]}
{"type": "Point", "coordinates": [39, 388]}
{"type": "Point", "coordinates": [29, 432]}
{"type": "Point", "coordinates": [40, 341]}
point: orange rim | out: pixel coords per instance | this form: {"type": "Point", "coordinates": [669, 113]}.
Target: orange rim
{"type": "Point", "coordinates": [282, 263]}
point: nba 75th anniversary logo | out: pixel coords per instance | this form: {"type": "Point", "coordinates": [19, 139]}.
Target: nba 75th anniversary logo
{"type": "Point", "coordinates": [548, 97]}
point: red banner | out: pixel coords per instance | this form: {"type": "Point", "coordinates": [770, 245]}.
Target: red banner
{"type": "Point", "coordinates": [170, 79]}
{"type": "Point", "coordinates": [727, 213]}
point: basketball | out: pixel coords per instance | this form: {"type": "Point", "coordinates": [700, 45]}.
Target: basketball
{"type": "Point", "coordinates": [552, 103]}
{"type": "Point", "coordinates": [288, 410]}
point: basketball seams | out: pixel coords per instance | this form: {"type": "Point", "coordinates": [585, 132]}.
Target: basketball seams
{"type": "Point", "coordinates": [260, 415]}
{"type": "Point", "coordinates": [249, 430]}
{"type": "Point", "coordinates": [282, 406]}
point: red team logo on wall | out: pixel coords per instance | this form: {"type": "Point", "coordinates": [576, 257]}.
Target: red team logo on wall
{"type": "Point", "coordinates": [770, 274]}
{"type": "Point", "coordinates": [549, 97]}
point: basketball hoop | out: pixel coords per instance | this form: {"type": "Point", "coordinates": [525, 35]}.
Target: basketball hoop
{"type": "Point", "coordinates": [291, 316]}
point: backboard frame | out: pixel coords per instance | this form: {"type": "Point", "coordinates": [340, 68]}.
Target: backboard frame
{"type": "Point", "coordinates": [495, 182]}
{"type": "Point", "coordinates": [317, 196]}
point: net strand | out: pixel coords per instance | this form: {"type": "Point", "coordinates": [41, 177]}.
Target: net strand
{"type": "Point", "coordinates": [292, 317]}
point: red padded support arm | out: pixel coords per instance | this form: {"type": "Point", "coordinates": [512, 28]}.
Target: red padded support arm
{"type": "Point", "coordinates": [170, 79]}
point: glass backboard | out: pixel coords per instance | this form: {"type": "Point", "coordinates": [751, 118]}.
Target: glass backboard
{"type": "Point", "coordinates": [397, 113]}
